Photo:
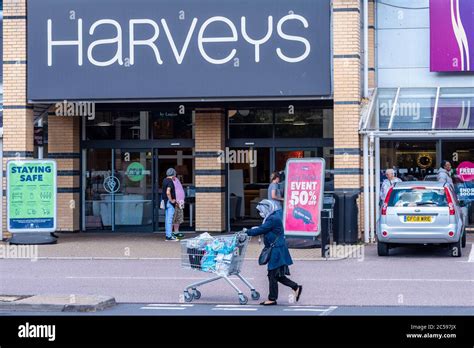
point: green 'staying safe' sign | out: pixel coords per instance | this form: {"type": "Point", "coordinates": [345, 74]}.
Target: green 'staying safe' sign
{"type": "Point", "coordinates": [31, 196]}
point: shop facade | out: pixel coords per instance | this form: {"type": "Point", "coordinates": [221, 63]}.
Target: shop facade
{"type": "Point", "coordinates": [224, 95]}
{"type": "Point", "coordinates": [421, 112]}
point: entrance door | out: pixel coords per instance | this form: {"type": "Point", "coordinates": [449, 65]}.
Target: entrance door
{"type": "Point", "coordinates": [133, 201]}
{"type": "Point", "coordinates": [119, 190]}
{"type": "Point", "coordinates": [182, 160]}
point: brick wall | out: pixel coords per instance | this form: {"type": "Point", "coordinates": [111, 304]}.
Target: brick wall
{"type": "Point", "coordinates": [209, 175]}
{"type": "Point", "coordinates": [347, 79]}
{"type": "Point", "coordinates": [17, 114]}
{"type": "Point", "coordinates": [64, 148]}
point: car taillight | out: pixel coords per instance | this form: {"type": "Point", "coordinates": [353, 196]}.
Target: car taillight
{"type": "Point", "coordinates": [385, 233]}
{"type": "Point", "coordinates": [451, 233]}
{"type": "Point", "coordinates": [450, 201]}
{"type": "Point", "coordinates": [385, 203]}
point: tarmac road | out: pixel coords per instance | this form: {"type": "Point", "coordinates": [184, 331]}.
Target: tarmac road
{"type": "Point", "coordinates": [417, 276]}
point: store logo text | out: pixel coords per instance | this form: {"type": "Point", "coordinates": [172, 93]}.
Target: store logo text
{"type": "Point", "coordinates": [152, 42]}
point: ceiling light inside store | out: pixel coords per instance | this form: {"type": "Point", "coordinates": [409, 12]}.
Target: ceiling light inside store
{"type": "Point", "coordinates": [232, 113]}
{"type": "Point", "coordinates": [103, 124]}
{"type": "Point", "coordinates": [299, 123]}
{"type": "Point", "coordinates": [244, 113]}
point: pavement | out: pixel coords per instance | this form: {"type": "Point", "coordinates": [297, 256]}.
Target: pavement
{"type": "Point", "coordinates": [136, 246]}
{"type": "Point", "coordinates": [143, 271]}
{"type": "Point", "coordinates": [56, 303]}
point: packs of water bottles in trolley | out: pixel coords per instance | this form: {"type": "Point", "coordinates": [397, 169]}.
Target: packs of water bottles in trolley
{"type": "Point", "coordinates": [222, 254]}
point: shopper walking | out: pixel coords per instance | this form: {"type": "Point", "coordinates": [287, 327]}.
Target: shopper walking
{"type": "Point", "coordinates": [387, 183]}
{"type": "Point", "coordinates": [169, 203]}
{"type": "Point", "coordinates": [280, 258]}
{"type": "Point", "coordinates": [274, 193]}
{"type": "Point", "coordinates": [178, 217]}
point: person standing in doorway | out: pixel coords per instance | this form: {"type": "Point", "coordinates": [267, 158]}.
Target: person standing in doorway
{"type": "Point", "coordinates": [387, 183]}
{"type": "Point", "coordinates": [178, 217]}
{"type": "Point", "coordinates": [274, 193]}
{"type": "Point", "coordinates": [445, 174]}
{"type": "Point", "coordinates": [169, 198]}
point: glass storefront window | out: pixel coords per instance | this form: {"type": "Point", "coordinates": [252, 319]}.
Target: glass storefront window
{"type": "Point", "coordinates": [385, 102]}
{"type": "Point", "coordinates": [412, 160]}
{"type": "Point", "coordinates": [284, 154]}
{"type": "Point", "coordinates": [181, 160]}
{"type": "Point", "coordinates": [250, 123]}
{"type": "Point", "coordinates": [118, 125]}
{"type": "Point", "coordinates": [172, 125]}
{"type": "Point", "coordinates": [414, 109]}
{"type": "Point", "coordinates": [98, 168]}
{"type": "Point", "coordinates": [249, 176]}
{"type": "Point", "coordinates": [304, 123]}
{"type": "Point", "coordinates": [119, 193]}
{"type": "Point", "coordinates": [455, 109]}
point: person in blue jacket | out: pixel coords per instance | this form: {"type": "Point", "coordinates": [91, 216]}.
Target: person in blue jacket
{"type": "Point", "coordinates": [280, 259]}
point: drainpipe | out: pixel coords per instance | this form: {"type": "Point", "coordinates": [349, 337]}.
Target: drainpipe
{"type": "Point", "coordinates": [371, 186]}
{"type": "Point", "coordinates": [40, 148]}
{"type": "Point", "coordinates": [366, 189]}
{"type": "Point", "coordinates": [366, 48]}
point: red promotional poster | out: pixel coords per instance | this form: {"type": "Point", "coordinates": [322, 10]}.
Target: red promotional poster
{"type": "Point", "coordinates": [304, 186]}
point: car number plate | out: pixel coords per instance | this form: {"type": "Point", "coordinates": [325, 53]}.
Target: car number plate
{"type": "Point", "coordinates": [412, 218]}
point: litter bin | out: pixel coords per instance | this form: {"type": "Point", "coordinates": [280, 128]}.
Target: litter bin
{"type": "Point", "coordinates": [346, 215]}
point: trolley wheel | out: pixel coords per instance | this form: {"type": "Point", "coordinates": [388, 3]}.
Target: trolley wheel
{"type": "Point", "coordinates": [187, 296]}
{"type": "Point", "coordinates": [243, 299]}
{"type": "Point", "coordinates": [255, 295]}
{"type": "Point", "coordinates": [196, 294]}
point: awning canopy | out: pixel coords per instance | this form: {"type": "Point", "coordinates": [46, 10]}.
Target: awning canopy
{"type": "Point", "coordinates": [411, 111]}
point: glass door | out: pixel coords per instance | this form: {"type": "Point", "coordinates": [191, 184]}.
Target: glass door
{"type": "Point", "coordinates": [97, 207]}
{"type": "Point", "coordinates": [119, 190]}
{"type": "Point", "coordinates": [133, 200]}
{"type": "Point", "coordinates": [182, 160]}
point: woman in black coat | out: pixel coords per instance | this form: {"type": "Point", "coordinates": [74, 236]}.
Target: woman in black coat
{"type": "Point", "coordinates": [280, 259]}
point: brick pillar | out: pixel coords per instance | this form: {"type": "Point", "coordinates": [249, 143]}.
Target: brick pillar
{"type": "Point", "coordinates": [17, 114]}
{"type": "Point", "coordinates": [347, 94]}
{"type": "Point", "coordinates": [64, 148]}
{"type": "Point", "coordinates": [209, 172]}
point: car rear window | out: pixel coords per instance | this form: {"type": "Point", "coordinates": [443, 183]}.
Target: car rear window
{"type": "Point", "coordinates": [414, 197]}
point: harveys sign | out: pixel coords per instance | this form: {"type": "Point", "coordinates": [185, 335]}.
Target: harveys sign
{"type": "Point", "coordinates": [158, 49]}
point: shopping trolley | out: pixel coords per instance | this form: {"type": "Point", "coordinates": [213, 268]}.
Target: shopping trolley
{"type": "Point", "coordinates": [222, 256]}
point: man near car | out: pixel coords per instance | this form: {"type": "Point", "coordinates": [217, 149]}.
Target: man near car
{"type": "Point", "coordinates": [387, 183]}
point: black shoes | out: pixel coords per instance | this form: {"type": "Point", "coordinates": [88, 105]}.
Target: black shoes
{"type": "Point", "coordinates": [298, 292]}
{"type": "Point", "coordinates": [271, 303]}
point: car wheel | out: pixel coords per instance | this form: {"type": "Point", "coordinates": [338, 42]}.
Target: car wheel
{"type": "Point", "coordinates": [463, 239]}
{"type": "Point", "coordinates": [456, 249]}
{"type": "Point", "coordinates": [382, 249]}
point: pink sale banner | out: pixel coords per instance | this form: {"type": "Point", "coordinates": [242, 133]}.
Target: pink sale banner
{"type": "Point", "coordinates": [303, 196]}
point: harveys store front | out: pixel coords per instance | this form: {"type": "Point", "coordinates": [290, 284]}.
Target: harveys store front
{"type": "Point", "coordinates": [223, 92]}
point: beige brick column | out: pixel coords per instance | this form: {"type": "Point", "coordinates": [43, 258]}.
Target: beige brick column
{"type": "Point", "coordinates": [64, 148]}
{"type": "Point", "coordinates": [209, 172]}
{"type": "Point", "coordinates": [17, 114]}
{"type": "Point", "coordinates": [347, 94]}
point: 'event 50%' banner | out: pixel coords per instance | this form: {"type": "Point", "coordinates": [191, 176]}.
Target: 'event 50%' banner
{"type": "Point", "coordinates": [304, 185]}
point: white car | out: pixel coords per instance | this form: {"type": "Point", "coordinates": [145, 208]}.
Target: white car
{"type": "Point", "coordinates": [421, 212]}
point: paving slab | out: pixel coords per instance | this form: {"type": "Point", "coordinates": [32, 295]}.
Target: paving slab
{"type": "Point", "coordinates": [57, 302]}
